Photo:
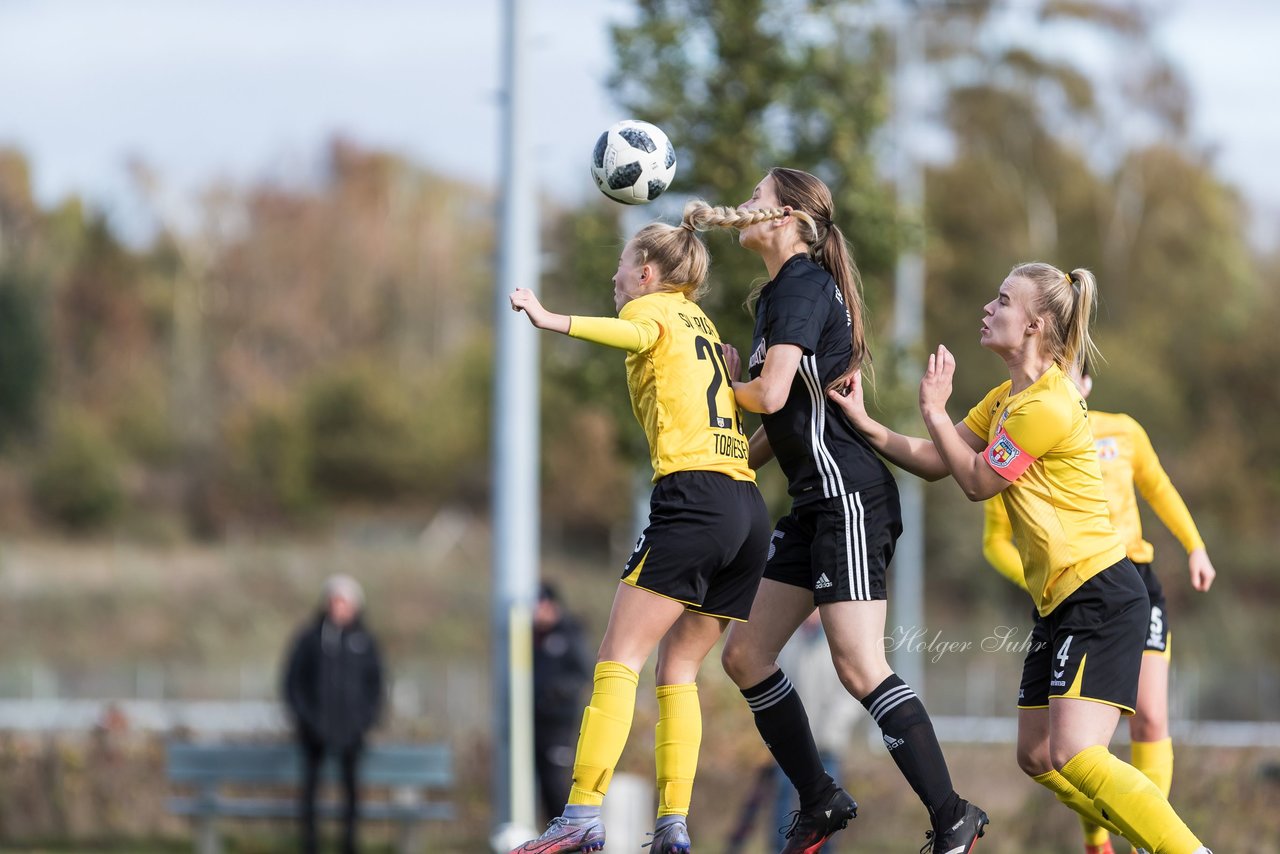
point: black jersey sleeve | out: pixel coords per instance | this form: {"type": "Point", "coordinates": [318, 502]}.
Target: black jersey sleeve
{"type": "Point", "coordinates": [796, 315]}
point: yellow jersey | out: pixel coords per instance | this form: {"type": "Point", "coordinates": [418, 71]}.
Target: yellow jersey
{"type": "Point", "coordinates": [679, 384]}
{"type": "Point", "coordinates": [1040, 441]}
{"type": "Point", "coordinates": [997, 542]}
{"type": "Point", "coordinates": [1127, 460]}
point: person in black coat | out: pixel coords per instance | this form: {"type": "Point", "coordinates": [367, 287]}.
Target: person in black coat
{"type": "Point", "coordinates": [562, 668]}
{"type": "Point", "coordinates": [333, 688]}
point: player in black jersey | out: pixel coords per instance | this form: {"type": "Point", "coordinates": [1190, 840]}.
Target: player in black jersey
{"type": "Point", "coordinates": [831, 551]}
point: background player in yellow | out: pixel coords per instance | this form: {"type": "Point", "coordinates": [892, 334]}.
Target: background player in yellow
{"type": "Point", "coordinates": [1029, 442]}
{"type": "Point", "coordinates": [699, 561]}
{"type": "Point", "coordinates": [1127, 460]}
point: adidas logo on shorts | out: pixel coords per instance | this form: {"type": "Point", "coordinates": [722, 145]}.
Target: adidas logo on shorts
{"type": "Point", "coordinates": [823, 582]}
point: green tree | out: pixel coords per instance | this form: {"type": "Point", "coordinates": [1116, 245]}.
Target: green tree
{"type": "Point", "coordinates": [23, 353]}
{"type": "Point", "coordinates": [1047, 165]}
{"type": "Point", "coordinates": [77, 479]}
{"type": "Point", "coordinates": [743, 85]}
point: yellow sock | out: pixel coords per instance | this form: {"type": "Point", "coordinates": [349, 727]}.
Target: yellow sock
{"type": "Point", "coordinates": [1095, 835]}
{"type": "Point", "coordinates": [1072, 797]}
{"type": "Point", "coordinates": [1131, 800]}
{"type": "Point", "coordinates": [678, 736]}
{"type": "Point", "coordinates": [606, 722]}
{"type": "Point", "coordinates": [1155, 759]}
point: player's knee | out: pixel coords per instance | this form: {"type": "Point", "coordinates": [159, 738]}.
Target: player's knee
{"type": "Point", "coordinates": [861, 669]}
{"type": "Point", "coordinates": [1061, 754]}
{"type": "Point", "coordinates": [1034, 759]}
{"type": "Point", "coordinates": [860, 678]}
{"type": "Point", "coordinates": [736, 662]}
{"type": "Point", "coordinates": [1145, 726]}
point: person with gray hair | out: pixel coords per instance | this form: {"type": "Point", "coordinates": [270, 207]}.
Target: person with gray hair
{"type": "Point", "coordinates": [333, 690]}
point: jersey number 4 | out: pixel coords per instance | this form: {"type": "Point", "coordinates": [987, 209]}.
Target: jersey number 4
{"type": "Point", "coordinates": [719, 371]}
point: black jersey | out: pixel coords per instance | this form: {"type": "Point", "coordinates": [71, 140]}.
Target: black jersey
{"type": "Point", "coordinates": [820, 452]}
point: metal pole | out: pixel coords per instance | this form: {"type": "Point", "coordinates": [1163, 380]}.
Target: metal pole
{"type": "Point", "coordinates": [908, 333]}
{"type": "Point", "coordinates": [515, 451]}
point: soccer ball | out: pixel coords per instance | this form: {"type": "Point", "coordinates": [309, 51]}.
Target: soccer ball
{"type": "Point", "coordinates": [633, 162]}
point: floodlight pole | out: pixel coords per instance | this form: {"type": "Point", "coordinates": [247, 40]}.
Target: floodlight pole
{"type": "Point", "coordinates": [907, 614]}
{"type": "Point", "coordinates": [515, 450]}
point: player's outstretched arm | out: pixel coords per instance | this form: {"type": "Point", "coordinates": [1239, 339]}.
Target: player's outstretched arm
{"type": "Point", "coordinates": [912, 454]}
{"type": "Point", "coordinates": [523, 299]}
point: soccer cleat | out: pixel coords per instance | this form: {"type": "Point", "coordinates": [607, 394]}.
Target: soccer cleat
{"type": "Point", "coordinates": [1104, 848]}
{"type": "Point", "coordinates": [810, 829]}
{"type": "Point", "coordinates": [566, 835]}
{"type": "Point", "coordinates": [671, 839]}
{"type": "Point", "coordinates": [959, 838]}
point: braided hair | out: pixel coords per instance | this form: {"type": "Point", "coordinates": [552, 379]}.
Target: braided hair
{"type": "Point", "coordinates": [808, 199]}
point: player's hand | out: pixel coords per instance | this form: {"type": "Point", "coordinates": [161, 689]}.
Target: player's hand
{"type": "Point", "coordinates": [732, 361]}
{"type": "Point", "coordinates": [523, 299]}
{"type": "Point", "coordinates": [1202, 571]}
{"type": "Point", "coordinates": [935, 387]}
{"type": "Point", "coordinates": [851, 401]}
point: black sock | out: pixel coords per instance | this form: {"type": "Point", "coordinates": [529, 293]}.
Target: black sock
{"type": "Point", "coordinates": [909, 735]}
{"type": "Point", "coordinates": [784, 726]}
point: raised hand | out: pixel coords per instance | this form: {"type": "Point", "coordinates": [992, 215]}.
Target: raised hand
{"type": "Point", "coordinates": [935, 386]}
{"type": "Point", "coordinates": [523, 299]}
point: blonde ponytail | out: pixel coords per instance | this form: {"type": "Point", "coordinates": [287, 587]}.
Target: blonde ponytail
{"type": "Point", "coordinates": [1067, 302]}
{"type": "Point", "coordinates": [681, 258]}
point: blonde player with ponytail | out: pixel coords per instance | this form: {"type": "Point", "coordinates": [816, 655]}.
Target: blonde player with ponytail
{"type": "Point", "coordinates": [1127, 461]}
{"type": "Point", "coordinates": [697, 564]}
{"type": "Point", "coordinates": [1029, 441]}
{"type": "Point", "coordinates": [833, 549]}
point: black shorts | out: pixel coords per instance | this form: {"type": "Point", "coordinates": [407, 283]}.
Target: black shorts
{"type": "Point", "coordinates": [840, 547]}
{"type": "Point", "coordinates": [1158, 623]}
{"type": "Point", "coordinates": [1090, 646]}
{"type": "Point", "coordinates": [705, 543]}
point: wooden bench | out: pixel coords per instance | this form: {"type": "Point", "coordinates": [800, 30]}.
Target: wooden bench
{"type": "Point", "coordinates": [411, 771]}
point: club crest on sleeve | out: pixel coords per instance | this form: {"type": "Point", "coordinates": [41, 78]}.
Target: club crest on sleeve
{"type": "Point", "coordinates": [1002, 452]}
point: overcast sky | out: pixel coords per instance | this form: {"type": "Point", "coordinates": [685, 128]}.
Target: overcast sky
{"type": "Point", "coordinates": [250, 89]}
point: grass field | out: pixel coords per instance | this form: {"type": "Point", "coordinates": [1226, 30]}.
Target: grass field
{"type": "Point", "coordinates": [200, 610]}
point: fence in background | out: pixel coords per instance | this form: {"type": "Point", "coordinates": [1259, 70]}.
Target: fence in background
{"type": "Point", "coordinates": [970, 703]}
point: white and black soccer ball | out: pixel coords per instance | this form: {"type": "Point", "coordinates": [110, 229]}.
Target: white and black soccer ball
{"type": "Point", "coordinates": [633, 162]}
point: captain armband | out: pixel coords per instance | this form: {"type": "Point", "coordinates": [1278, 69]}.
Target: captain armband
{"type": "Point", "coordinates": [1006, 458]}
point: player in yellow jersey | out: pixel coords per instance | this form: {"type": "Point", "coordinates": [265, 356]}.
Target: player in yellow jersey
{"type": "Point", "coordinates": [698, 563]}
{"type": "Point", "coordinates": [1029, 442]}
{"type": "Point", "coordinates": [1127, 460]}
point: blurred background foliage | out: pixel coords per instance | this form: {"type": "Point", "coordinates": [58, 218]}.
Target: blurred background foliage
{"type": "Point", "coordinates": [287, 380]}
{"type": "Point", "coordinates": [285, 351]}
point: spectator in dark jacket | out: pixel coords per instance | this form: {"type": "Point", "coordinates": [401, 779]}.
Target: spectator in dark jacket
{"type": "Point", "coordinates": [562, 668]}
{"type": "Point", "coordinates": [333, 688]}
